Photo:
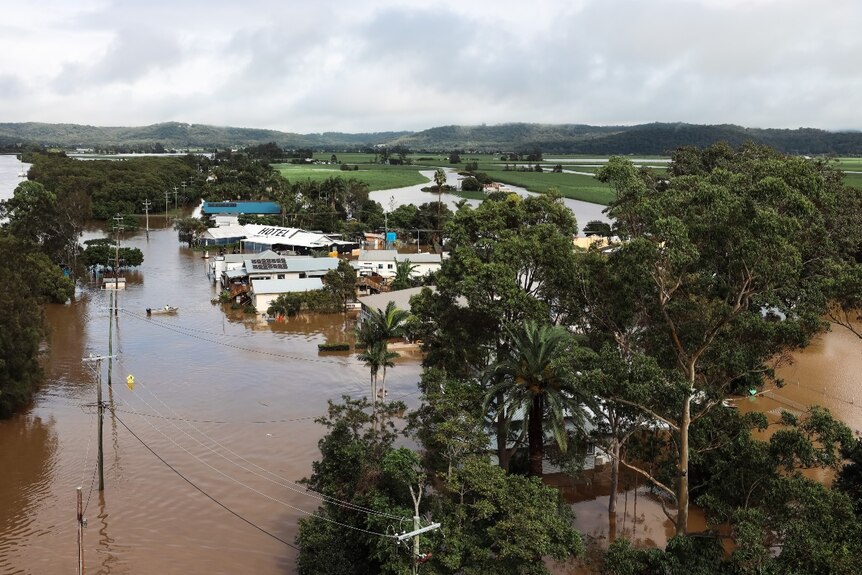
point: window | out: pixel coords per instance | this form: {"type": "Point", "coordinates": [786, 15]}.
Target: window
{"type": "Point", "coordinates": [389, 266]}
{"type": "Point", "coordinates": [281, 276]}
{"type": "Point", "coordinates": [380, 266]}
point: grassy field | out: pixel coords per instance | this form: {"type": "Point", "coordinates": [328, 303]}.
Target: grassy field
{"type": "Point", "coordinates": [378, 177]}
{"type": "Point", "coordinates": [573, 186]}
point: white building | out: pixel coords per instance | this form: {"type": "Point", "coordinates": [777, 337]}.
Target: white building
{"type": "Point", "coordinates": [383, 263]}
{"type": "Point", "coordinates": [264, 291]}
{"type": "Point", "coordinates": [260, 238]}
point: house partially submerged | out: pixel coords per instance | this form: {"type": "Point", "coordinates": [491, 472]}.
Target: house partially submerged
{"type": "Point", "coordinates": [264, 276]}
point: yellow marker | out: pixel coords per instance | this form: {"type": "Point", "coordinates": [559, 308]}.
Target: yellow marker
{"type": "Point", "coordinates": [130, 382]}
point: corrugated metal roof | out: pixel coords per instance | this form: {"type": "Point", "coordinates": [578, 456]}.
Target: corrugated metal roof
{"type": "Point", "coordinates": [241, 207]}
{"type": "Point", "coordinates": [225, 232]}
{"type": "Point", "coordinates": [401, 298]}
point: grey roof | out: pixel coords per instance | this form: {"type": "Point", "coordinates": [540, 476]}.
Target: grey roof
{"type": "Point", "coordinates": [401, 298]}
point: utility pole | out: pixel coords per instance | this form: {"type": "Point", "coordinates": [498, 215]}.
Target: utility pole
{"type": "Point", "coordinates": [386, 230]}
{"type": "Point", "coordinates": [113, 308]}
{"type": "Point", "coordinates": [175, 197]}
{"type": "Point", "coordinates": [166, 208]}
{"type": "Point", "coordinates": [80, 532]}
{"type": "Point", "coordinates": [147, 212]}
{"type": "Point", "coordinates": [95, 363]}
{"type": "Point", "coordinates": [417, 557]}
{"type": "Point", "coordinates": [184, 189]}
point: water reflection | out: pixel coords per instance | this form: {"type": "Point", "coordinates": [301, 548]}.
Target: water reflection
{"type": "Point", "coordinates": [28, 455]}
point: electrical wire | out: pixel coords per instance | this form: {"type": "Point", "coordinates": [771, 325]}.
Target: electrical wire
{"type": "Point", "coordinates": [289, 484]}
{"type": "Point", "coordinates": [250, 488]}
{"type": "Point", "coordinates": [251, 350]}
{"type": "Point", "coordinates": [213, 499]}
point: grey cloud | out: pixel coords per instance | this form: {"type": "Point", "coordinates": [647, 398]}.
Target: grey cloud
{"type": "Point", "coordinates": [133, 53]}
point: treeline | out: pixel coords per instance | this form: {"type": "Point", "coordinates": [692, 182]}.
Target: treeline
{"type": "Point", "coordinates": [107, 187]}
{"type": "Point", "coordinates": [653, 139]}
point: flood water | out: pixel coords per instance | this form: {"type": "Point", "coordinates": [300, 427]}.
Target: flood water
{"type": "Point", "coordinates": [390, 199]}
{"type": "Point", "coordinates": [229, 402]}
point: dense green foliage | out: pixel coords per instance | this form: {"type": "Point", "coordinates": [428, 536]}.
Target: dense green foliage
{"type": "Point", "coordinates": [492, 522]}
{"type": "Point", "coordinates": [103, 252]}
{"type": "Point", "coordinates": [31, 280]}
{"type": "Point", "coordinates": [108, 188]}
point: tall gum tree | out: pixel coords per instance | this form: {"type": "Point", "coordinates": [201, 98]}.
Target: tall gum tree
{"type": "Point", "coordinates": [510, 261]}
{"type": "Point", "coordinates": [723, 264]}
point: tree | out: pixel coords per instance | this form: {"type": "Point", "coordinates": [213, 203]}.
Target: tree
{"type": "Point", "coordinates": [598, 228]}
{"type": "Point", "coordinates": [534, 382]}
{"type": "Point", "coordinates": [32, 280]}
{"type": "Point", "coordinates": [440, 180]}
{"type": "Point", "coordinates": [375, 356]}
{"type": "Point", "coordinates": [188, 229]}
{"type": "Point", "coordinates": [498, 523]}
{"type": "Point", "coordinates": [454, 157]}
{"type": "Point", "coordinates": [358, 503]}
{"type": "Point", "coordinates": [53, 222]}
{"type": "Point", "coordinates": [103, 252]}
{"type": "Point", "coordinates": [510, 261]}
{"type": "Point", "coordinates": [373, 334]}
{"type": "Point", "coordinates": [471, 184]}
{"type": "Point", "coordinates": [706, 253]}
{"type": "Point", "coordinates": [403, 274]}
{"type": "Point", "coordinates": [341, 283]}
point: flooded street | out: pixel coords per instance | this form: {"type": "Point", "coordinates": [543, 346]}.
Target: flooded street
{"type": "Point", "coordinates": [229, 403]}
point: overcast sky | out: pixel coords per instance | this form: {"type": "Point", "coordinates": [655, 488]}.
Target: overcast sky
{"type": "Point", "coordinates": [377, 65]}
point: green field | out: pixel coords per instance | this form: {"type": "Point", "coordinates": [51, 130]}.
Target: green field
{"type": "Point", "coordinates": [377, 176]}
{"type": "Point", "coordinates": [575, 186]}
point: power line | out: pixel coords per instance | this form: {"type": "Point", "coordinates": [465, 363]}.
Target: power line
{"type": "Point", "coordinates": [210, 497]}
{"type": "Point", "coordinates": [273, 499]}
{"type": "Point", "coordinates": [289, 484]}
{"type": "Point", "coordinates": [252, 350]}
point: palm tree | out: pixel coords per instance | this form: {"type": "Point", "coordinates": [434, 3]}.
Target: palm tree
{"type": "Point", "coordinates": [439, 179]}
{"type": "Point", "coordinates": [533, 382]}
{"type": "Point", "coordinates": [382, 325]}
{"type": "Point", "coordinates": [403, 269]}
{"type": "Point", "coordinates": [375, 357]}
{"type": "Point", "coordinates": [374, 333]}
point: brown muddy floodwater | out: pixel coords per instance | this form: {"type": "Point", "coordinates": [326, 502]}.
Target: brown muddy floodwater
{"type": "Point", "coordinates": [229, 403]}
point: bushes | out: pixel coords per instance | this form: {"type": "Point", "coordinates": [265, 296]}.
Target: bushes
{"type": "Point", "coordinates": [338, 346]}
{"type": "Point", "coordinates": [290, 304]}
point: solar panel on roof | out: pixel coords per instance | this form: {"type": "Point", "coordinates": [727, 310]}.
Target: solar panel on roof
{"type": "Point", "coordinates": [269, 263]}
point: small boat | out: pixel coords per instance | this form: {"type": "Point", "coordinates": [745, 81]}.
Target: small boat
{"type": "Point", "coordinates": [162, 310]}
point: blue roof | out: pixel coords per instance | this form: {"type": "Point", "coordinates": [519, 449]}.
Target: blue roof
{"type": "Point", "coordinates": [241, 207]}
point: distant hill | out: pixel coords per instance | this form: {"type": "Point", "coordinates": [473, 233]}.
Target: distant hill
{"type": "Point", "coordinates": [177, 135]}
{"type": "Point", "coordinates": [657, 138]}
{"type": "Point", "coordinates": [641, 139]}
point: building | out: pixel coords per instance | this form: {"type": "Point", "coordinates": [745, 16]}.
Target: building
{"type": "Point", "coordinates": [264, 291]}
{"type": "Point", "coordinates": [223, 235]}
{"type": "Point", "coordinates": [383, 263]}
{"type": "Point", "coordinates": [261, 238]}
{"type": "Point", "coordinates": [378, 302]}
{"type": "Point", "coordinates": [240, 207]}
